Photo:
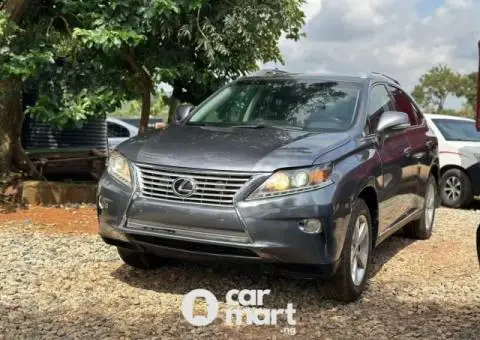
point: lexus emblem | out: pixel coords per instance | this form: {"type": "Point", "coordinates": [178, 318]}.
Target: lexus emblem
{"type": "Point", "coordinates": [183, 187]}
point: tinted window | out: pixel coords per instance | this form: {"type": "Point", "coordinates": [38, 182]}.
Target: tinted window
{"type": "Point", "coordinates": [379, 103]}
{"type": "Point", "coordinates": [115, 130]}
{"type": "Point", "coordinates": [404, 104]}
{"type": "Point", "coordinates": [458, 130]}
{"type": "Point", "coordinates": [318, 106]}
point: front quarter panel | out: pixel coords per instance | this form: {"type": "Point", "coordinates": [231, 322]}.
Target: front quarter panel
{"type": "Point", "coordinates": [358, 168]}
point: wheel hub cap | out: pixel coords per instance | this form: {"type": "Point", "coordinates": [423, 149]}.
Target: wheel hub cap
{"type": "Point", "coordinates": [430, 206]}
{"type": "Point", "coordinates": [360, 250]}
{"type": "Point", "coordinates": [453, 188]}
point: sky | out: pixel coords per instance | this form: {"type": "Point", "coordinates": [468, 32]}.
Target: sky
{"type": "Point", "coordinates": [401, 38]}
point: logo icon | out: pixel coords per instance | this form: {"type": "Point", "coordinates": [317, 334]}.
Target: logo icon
{"type": "Point", "coordinates": [183, 187]}
{"type": "Point", "coordinates": [188, 304]}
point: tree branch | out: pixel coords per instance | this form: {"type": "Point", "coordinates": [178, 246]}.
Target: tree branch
{"type": "Point", "coordinates": [67, 26]}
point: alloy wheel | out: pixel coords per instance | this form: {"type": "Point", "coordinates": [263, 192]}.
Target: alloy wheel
{"type": "Point", "coordinates": [360, 250]}
{"type": "Point", "coordinates": [430, 206]}
{"type": "Point", "coordinates": [453, 188]}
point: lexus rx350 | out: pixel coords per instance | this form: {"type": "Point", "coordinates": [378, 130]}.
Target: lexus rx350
{"type": "Point", "coordinates": [309, 173]}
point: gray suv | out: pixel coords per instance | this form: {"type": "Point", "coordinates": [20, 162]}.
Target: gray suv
{"type": "Point", "coordinates": [305, 173]}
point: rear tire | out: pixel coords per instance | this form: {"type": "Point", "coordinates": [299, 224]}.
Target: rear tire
{"type": "Point", "coordinates": [422, 228]}
{"type": "Point", "coordinates": [345, 285]}
{"type": "Point", "coordinates": [137, 259]}
{"type": "Point", "coordinates": [456, 189]}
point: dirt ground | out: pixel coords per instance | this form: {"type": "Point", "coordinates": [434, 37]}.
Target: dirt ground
{"type": "Point", "coordinates": [68, 219]}
{"type": "Point", "coordinates": [59, 280]}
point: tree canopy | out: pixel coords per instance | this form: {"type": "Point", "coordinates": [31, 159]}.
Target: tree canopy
{"type": "Point", "coordinates": [84, 57]}
{"type": "Point", "coordinates": [435, 86]}
{"type": "Point", "coordinates": [440, 82]}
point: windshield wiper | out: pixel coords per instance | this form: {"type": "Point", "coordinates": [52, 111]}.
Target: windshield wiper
{"type": "Point", "coordinates": [264, 126]}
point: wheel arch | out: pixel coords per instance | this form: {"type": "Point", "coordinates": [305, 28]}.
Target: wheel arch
{"type": "Point", "coordinates": [447, 167]}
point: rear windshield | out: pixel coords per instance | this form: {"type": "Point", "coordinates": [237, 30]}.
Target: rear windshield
{"type": "Point", "coordinates": [325, 105]}
{"type": "Point", "coordinates": [458, 130]}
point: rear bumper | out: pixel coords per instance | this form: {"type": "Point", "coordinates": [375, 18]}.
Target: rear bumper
{"type": "Point", "coordinates": [264, 231]}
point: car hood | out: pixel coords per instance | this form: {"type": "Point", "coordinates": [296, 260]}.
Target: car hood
{"type": "Point", "coordinates": [237, 149]}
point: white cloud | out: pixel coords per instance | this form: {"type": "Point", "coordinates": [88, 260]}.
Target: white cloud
{"type": "Point", "coordinates": [352, 36]}
{"type": "Point", "coordinates": [311, 8]}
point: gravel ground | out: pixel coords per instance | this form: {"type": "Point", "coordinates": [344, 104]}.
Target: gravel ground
{"type": "Point", "coordinates": [74, 286]}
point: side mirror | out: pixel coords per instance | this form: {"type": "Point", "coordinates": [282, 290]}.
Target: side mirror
{"type": "Point", "coordinates": [393, 120]}
{"type": "Point", "coordinates": [182, 112]}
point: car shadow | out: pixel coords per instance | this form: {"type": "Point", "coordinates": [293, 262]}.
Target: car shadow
{"type": "Point", "coordinates": [181, 277]}
{"type": "Point", "coordinates": [387, 250]}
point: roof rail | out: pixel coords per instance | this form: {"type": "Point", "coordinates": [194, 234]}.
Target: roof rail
{"type": "Point", "coordinates": [268, 72]}
{"type": "Point", "coordinates": [385, 76]}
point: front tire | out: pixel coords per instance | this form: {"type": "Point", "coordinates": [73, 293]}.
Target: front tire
{"type": "Point", "coordinates": [137, 259]}
{"type": "Point", "coordinates": [351, 276]}
{"type": "Point", "coordinates": [456, 189]}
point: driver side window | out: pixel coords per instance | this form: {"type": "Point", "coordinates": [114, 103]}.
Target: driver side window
{"type": "Point", "coordinates": [379, 102]}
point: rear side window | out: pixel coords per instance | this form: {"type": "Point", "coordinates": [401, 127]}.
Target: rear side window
{"type": "Point", "coordinates": [379, 102]}
{"type": "Point", "coordinates": [115, 130]}
{"type": "Point", "coordinates": [404, 104]}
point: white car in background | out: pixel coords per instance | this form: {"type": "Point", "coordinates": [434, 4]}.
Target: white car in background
{"type": "Point", "coordinates": [119, 130]}
{"type": "Point", "coordinates": [459, 154]}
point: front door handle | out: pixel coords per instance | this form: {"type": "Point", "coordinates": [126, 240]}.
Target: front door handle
{"type": "Point", "coordinates": [407, 151]}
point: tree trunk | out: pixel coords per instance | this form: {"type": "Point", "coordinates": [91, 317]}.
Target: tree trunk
{"type": "Point", "coordinates": [146, 103]}
{"type": "Point", "coordinates": [16, 9]}
{"type": "Point", "coordinates": [172, 106]}
{"type": "Point", "coordinates": [8, 116]}
{"type": "Point", "coordinates": [11, 111]}
{"type": "Point", "coordinates": [11, 121]}
{"type": "Point", "coordinates": [174, 102]}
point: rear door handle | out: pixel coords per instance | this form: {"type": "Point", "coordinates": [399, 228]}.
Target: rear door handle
{"type": "Point", "coordinates": [407, 151]}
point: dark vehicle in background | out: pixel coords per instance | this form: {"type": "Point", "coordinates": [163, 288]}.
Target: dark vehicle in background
{"type": "Point", "coordinates": [478, 129]}
{"type": "Point", "coordinates": [309, 173]}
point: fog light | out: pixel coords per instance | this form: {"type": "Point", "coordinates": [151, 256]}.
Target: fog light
{"type": "Point", "coordinates": [311, 226]}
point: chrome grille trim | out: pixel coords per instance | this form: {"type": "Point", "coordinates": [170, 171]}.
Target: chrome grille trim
{"type": "Point", "coordinates": [188, 232]}
{"type": "Point", "coordinates": [212, 187]}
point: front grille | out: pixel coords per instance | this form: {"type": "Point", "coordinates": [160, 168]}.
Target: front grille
{"type": "Point", "coordinates": [211, 187]}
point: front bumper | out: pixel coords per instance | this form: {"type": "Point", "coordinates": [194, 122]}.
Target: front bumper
{"type": "Point", "coordinates": [253, 231]}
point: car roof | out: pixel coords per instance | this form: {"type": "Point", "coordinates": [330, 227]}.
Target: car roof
{"type": "Point", "coordinates": [359, 78]}
{"type": "Point", "coordinates": [437, 116]}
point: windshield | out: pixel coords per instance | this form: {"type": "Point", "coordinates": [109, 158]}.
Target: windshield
{"type": "Point", "coordinates": [458, 130]}
{"type": "Point", "coordinates": [328, 106]}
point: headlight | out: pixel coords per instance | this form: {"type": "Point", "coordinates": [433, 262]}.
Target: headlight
{"type": "Point", "coordinates": [119, 167]}
{"type": "Point", "coordinates": [285, 182]}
